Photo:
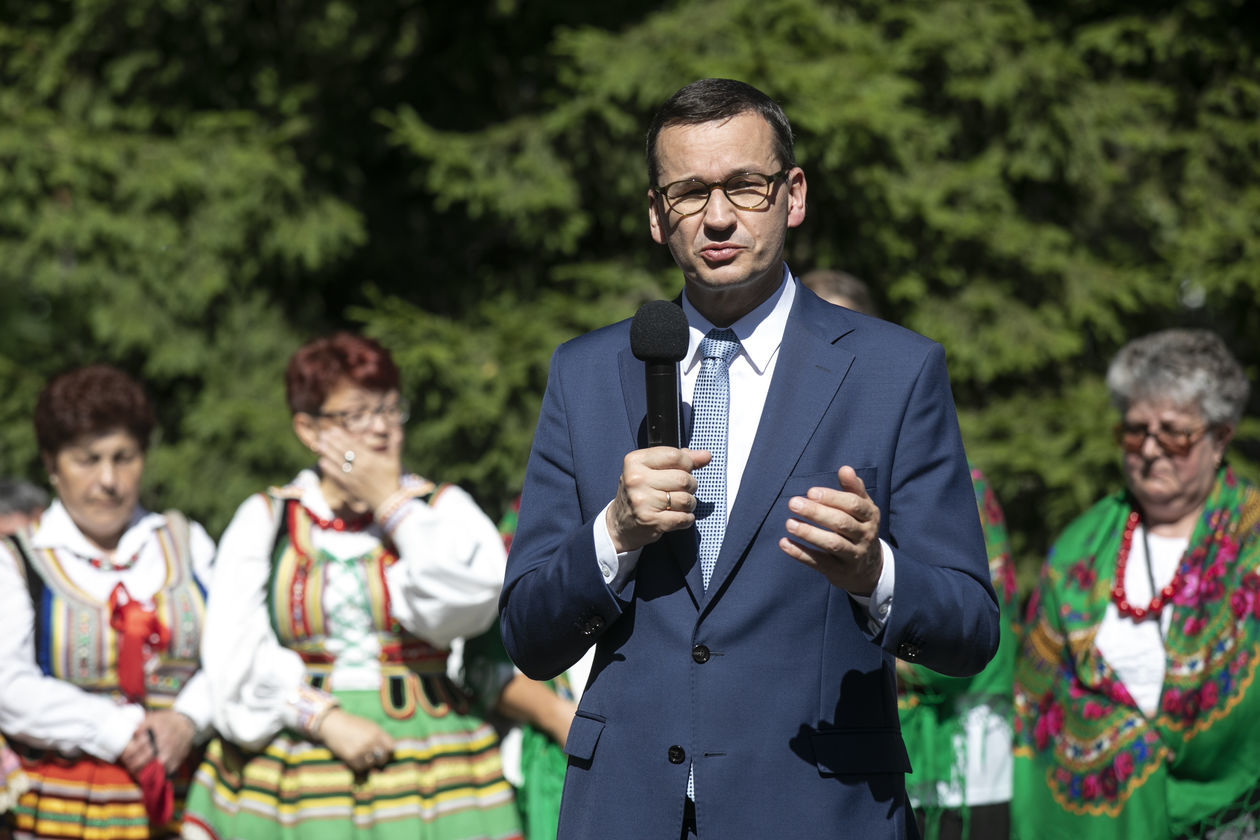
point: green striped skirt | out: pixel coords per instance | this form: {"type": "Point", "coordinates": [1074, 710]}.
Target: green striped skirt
{"type": "Point", "coordinates": [444, 782]}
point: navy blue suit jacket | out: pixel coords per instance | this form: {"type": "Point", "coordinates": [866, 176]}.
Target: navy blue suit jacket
{"type": "Point", "coordinates": [770, 681]}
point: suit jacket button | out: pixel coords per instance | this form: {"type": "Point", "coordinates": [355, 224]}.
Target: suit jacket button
{"type": "Point", "coordinates": [592, 625]}
{"type": "Point", "coordinates": [700, 654]}
{"type": "Point", "coordinates": [907, 652]}
{"type": "Point", "coordinates": [677, 755]}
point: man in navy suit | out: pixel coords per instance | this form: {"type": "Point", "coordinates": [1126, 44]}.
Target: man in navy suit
{"type": "Point", "coordinates": [758, 699]}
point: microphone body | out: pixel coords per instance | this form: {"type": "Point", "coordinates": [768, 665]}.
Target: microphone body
{"type": "Point", "coordinates": [663, 425]}
{"type": "Point", "coordinates": [658, 337]}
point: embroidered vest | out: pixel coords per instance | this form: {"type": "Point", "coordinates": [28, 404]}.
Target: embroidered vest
{"type": "Point", "coordinates": [413, 671]}
{"type": "Point", "coordinates": [74, 641]}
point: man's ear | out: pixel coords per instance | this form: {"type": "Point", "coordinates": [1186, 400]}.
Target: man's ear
{"type": "Point", "coordinates": [796, 197]}
{"type": "Point", "coordinates": [656, 222]}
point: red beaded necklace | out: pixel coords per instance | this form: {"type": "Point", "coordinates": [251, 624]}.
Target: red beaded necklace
{"type": "Point", "coordinates": [1156, 605]}
{"type": "Point", "coordinates": [106, 564]}
{"type": "Point", "coordinates": [358, 523]}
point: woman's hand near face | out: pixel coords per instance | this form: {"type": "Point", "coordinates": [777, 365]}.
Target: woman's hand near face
{"type": "Point", "coordinates": [374, 473]}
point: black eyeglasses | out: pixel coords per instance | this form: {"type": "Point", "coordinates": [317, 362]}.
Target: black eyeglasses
{"type": "Point", "coordinates": [747, 191]}
{"type": "Point", "coordinates": [1176, 442]}
{"type": "Point", "coordinates": [359, 420]}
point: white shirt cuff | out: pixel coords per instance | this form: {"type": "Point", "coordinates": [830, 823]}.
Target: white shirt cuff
{"type": "Point", "coordinates": [879, 603]}
{"type": "Point", "coordinates": [113, 735]}
{"type": "Point", "coordinates": [195, 703]}
{"type": "Point", "coordinates": [616, 568]}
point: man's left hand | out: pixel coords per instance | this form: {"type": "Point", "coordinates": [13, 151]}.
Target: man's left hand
{"type": "Point", "coordinates": [837, 534]}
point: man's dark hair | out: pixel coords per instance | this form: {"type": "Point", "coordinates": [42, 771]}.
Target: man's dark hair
{"type": "Point", "coordinates": [709, 100]}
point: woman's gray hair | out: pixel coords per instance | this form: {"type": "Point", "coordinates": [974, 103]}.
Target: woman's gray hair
{"type": "Point", "coordinates": [1187, 368]}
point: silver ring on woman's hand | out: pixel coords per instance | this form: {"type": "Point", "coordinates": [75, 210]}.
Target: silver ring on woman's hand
{"type": "Point", "coordinates": [347, 462]}
{"type": "Point", "coordinates": [669, 502]}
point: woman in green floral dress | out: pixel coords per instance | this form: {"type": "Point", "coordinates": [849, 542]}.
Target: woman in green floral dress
{"type": "Point", "coordinates": [1136, 707]}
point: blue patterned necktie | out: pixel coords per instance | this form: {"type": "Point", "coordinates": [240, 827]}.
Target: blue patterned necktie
{"type": "Point", "coordinates": [710, 408]}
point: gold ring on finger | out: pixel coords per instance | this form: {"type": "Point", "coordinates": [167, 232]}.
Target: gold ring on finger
{"type": "Point", "coordinates": [669, 503]}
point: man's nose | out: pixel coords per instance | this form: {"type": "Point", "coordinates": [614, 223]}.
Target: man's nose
{"type": "Point", "coordinates": [719, 213]}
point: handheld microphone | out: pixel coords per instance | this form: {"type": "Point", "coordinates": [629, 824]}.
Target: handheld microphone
{"type": "Point", "coordinates": [658, 337]}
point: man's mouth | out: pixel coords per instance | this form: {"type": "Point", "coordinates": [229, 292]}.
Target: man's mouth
{"type": "Point", "coordinates": [720, 253]}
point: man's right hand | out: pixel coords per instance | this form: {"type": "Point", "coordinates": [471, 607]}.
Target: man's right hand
{"type": "Point", "coordinates": [655, 495]}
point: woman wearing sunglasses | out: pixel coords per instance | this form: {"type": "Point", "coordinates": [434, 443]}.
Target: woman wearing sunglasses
{"type": "Point", "coordinates": [1135, 692]}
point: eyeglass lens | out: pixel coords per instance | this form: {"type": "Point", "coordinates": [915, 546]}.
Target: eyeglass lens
{"type": "Point", "coordinates": [1131, 437]}
{"type": "Point", "coordinates": [360, 419]}
{"type": "Point", "coordinates": [747, 191]}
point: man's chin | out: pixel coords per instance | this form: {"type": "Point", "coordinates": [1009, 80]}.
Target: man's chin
{"type": "Point", "coordinates": [726, 275]}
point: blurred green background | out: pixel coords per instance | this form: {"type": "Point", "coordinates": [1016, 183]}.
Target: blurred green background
{"type": "Point", "coordinates": [191, 189]}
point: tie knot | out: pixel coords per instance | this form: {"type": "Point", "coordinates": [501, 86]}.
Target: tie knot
{"type": "Point", "coordinates": [719, 344]}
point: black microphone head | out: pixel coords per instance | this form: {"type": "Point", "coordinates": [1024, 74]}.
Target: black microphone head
{"type": "Point", "coordinates": [658, 332]}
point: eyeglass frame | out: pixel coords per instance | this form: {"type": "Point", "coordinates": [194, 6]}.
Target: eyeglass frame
{"type": "Point", "coordinates": [710, 186]}
{"type": "Point", "coordinates": [1187, 439]}
{"type": "Point", "coordinates": [401, 408]}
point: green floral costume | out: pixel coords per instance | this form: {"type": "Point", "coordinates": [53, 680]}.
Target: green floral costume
{"type": "Point", "coordinates": [932, 706]}
{"type": "Point", "coordinates": [1088, 763]}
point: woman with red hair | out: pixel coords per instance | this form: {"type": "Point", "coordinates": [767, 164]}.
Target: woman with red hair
{"type": "Point", "coordinates": [101, 603]}
{"type": "Point", "coordinates": [336, 600]}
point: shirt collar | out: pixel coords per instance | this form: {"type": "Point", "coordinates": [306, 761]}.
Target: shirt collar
{"type": "Point", "coordinates": [760, 332]}
{"type": "Point", "coordinates": [57, 531]}
{"type": "Point", "coordinates": [305, 488]}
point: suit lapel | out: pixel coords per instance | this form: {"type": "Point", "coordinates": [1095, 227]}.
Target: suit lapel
{"type": "Point", "coordinates": [634, 390]}
{"type": "Point", "coordinates": [807, 376]}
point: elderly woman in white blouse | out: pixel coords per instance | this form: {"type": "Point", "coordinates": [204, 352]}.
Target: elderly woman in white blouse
{"type": "Point", "coordinates": [100, 613]}
{"type": "Point", "coordinates": [335, 603]}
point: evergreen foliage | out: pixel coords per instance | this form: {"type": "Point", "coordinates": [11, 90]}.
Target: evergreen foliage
{"type": "Point", "coordinates": [190, 190]}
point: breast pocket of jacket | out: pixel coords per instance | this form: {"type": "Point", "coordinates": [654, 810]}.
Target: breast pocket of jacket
{"type": "Point", "coordinates": [583, 737]}
{"type": "Point", "coordinates": [798, 485]}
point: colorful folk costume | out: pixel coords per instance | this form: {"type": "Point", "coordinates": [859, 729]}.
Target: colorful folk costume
{"type": "Point", "coordinates": [88, 644]}
{"type": "Point", "coordinates": [316, 611]}
{"type": "Point", "coordinates": [958, 730]}
{"type": "Point", "coordinates": [1102, 749]}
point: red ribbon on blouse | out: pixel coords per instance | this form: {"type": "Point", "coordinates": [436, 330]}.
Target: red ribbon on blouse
{"type": "Point", "coordinates": [142, 632]}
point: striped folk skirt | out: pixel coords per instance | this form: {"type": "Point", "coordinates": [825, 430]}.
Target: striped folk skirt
{"type": "Point", "coordinates": [444, 782]}
{"type": "Point", "coordinates": [84, 799]}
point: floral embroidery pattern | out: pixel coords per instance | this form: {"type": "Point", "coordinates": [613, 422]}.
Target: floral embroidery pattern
{"type": "Point", "coordinates": [1092, 748]}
